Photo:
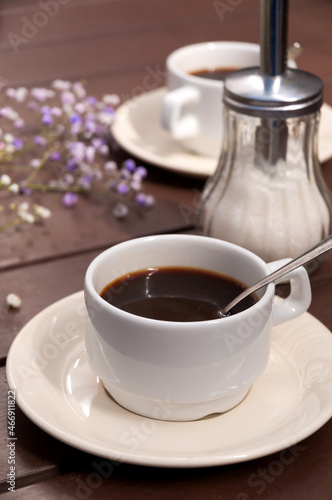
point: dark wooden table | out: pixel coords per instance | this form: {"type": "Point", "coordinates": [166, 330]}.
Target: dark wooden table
{"type": "Point", "coordinates": [112, 44]}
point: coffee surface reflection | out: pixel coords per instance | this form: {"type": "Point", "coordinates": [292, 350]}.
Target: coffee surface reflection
{"type": "Point", "coordinates": [213, 74]}
{"type": "Point", "coordinates": [175, 293]}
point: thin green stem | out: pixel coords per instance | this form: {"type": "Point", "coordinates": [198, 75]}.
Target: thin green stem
{"type": "Point", "coordinates": [59, 189]}
{"type": "Point", "coordinates": [14, 221]}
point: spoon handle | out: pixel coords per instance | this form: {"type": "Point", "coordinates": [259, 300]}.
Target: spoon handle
{"type": "Point", "coordinates": [322, 247]}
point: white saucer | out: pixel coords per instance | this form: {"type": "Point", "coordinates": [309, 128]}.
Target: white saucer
{"type": "Point", "coordinates": [137, 129]}
{"type": "Point", "coordinates": [57, 390]}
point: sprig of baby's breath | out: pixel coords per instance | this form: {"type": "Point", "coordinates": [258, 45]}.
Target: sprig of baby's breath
{"type": "Point", "coordinates": [68, 153]}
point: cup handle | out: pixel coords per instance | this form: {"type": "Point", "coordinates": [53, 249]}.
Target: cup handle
{"type": "Point", "coordinates": [299, 298]}
{"type": "Point", "coordinates": [178, 112]}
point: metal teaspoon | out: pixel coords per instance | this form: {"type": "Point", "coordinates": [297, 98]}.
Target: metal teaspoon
{"type": "Point", "coordinates": [322, 247]}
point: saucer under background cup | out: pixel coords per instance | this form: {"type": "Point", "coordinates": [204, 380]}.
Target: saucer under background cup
{"type": "Point", "coordinates": [138, 131]}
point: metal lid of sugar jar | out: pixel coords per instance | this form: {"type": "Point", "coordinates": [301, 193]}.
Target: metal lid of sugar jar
{"type": "Point", "coordinates": [293, 93]}
{"type": "Point", "coordinates": [273, 87]}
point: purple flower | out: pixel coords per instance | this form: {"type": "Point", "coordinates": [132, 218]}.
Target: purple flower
{"type": "Point", "coordinates": [69, 199]}
{"type": "Point", "coordinates": [130, 165]}
{"type": "Point", "coordinates": [46, 110]}
{"type": "Point", "coordinates": [72, 165]}
{"type": "Point", "coordinates": [85, 182]}
{"type": "Point", "coordinates": [47, 119]}
{"type": "Point", "coordinates": [144, 200]}
{"type": "Point", "coordinates": [76, 118]}
{"type": "Point", "coordinates": [18, 143]}
{"type": "Point", "coordinates": [123, 188]}
{"type": "Point", "coordinates": [55, 156]}
{"type": "Point", "coordinates": [40, 140]}
{"type": "Point", "coordinates": [25, 191]}
{"type": "Point", "coordinates": [90, 125]}
{"type": "Point", "coordinates": [141, 172]}
{"type": "Point", "coordinates": [92, 100]}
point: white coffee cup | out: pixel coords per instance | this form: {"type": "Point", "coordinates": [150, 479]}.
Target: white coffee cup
{"type": "Point", "coordinates": [183, 370]}
{"type": "Point", "coordinates": [192, 108]}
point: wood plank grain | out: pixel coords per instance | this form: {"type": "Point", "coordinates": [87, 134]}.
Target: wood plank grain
{"type": "Point", "coordinates": [111, 44]}
{"type": "Point", "coordinates": [38, 456]}
{"type": "Point", "coordinates": [39, 286]}
{"type": "Point", "coordinates": [133, 43]}
{"type": "Point", "coordinates": [273, 476]}
{"type": "Point", "coordinates": [91, 224]}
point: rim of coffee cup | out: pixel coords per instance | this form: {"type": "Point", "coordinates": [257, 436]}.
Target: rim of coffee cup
{"type": "Point", "coordinates": [171, 60]}
{"type": "Point", "coordinates": [89, 287]}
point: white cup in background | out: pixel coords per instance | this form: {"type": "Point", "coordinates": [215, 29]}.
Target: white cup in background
{"type": "Point", "coordinates": [192, 108]}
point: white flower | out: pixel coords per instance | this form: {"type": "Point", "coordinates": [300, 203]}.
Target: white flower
{"type": "Point", "coordinates": [80, 107]}
{"type": "Point", "coordinates": [14, 301]}
{"type": "Point", "coordinates": [56, 111]}
{"type": "Point", "coordinates": [10, 113]}
{"type": "Point", "coordinates": [21, 94]}
{"type": "Point", "coordinates": [9, 138]}
{"type": "Point", "coordinates": [68, 97]}
{"type": "Point", "coordinates": [69, 179]}
{"type": "Point", "coordinates": [19, 123]}
{"type": "Point", "coordinates": [11, 93]}
{"type": "Point", "coordinates": [26, 216]}
{"type": "Point", "coordinates": [23, 207]}
{"type": "Point", "coordinates": [105, 118]}
{"type": "Point", "coordinates": [79, 90]}
{"type": "Point", "coordinates": [103, 150]}
{"type": "Point", "coordinates": [110, 166]}
{"type": "Point", "coordinates": [10, 148]}
{"type": "Point", "coordinates": [5, 180]}
{"type": "Point", "coordinates": [111, 99]}
{"type": "Point", "coordinates": [42, 94]}
{"type": "Point", "coordinates": [14, 188]}
{"type": "Point", "coordinates": [78, 150]}
{"type": "Point", "coordinates": [90, 154]}
{"type": "Point", "coordinates": [68, 109]}
{"type": "Point", "coordinates": [42, 212]}
{"type": "Point", "coordinates": [61, 84]}
{"type": "Point", "coordinates": [35, 163]}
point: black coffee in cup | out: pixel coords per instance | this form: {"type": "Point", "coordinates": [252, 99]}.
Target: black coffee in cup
{"type": "Point", "coordinates": [175, 293]}
{"type": "Point", "coordinates": [213, 74]}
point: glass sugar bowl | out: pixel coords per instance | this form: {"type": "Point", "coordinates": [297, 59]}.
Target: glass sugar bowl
{"type": "Point", "coordinates": [268, 193]}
